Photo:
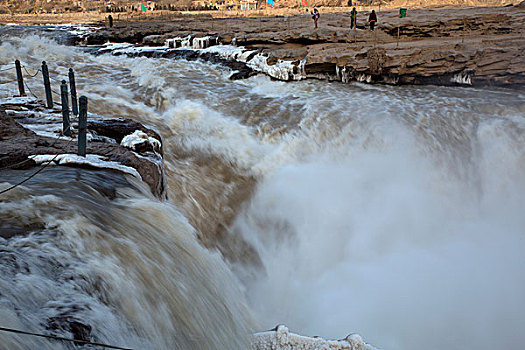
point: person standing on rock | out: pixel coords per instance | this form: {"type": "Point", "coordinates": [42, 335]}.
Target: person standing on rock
{"type": "Point", "coordinates": [315, 16]}
{"type": "Point", "coordinates": [353, 18]}
{"type": "Point", "coordinates": [372, 19]}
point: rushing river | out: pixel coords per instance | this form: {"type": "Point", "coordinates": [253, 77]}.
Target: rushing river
{"type": "Point", "coordinates": [393, 212]}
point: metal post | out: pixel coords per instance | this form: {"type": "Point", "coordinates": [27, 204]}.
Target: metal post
{"type": "Point", "coordinates": [82, 125]}
{"type": "Point", "coordinates": [47, 85]}
{"type": "Point", "coordinates": [66, 124]}
{"type": "Point", "coordinates": [20, 78]}
{"type": "Point", "coordinates": [73, 89]}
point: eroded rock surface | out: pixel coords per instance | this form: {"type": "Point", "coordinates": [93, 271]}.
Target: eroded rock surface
{"type": "Point", "coordinates": [468, 46]}
{"type": "Point", "coordinates": [18, 143]}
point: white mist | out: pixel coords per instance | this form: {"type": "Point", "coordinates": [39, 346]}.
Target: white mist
{"type": "Point", "coordinates": [389, 243]}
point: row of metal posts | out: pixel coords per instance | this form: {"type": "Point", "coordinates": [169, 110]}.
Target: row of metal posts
{"type": "Point", "coordinates": [79, 109]}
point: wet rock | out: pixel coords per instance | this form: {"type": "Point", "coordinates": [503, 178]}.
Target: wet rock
{"type": "Point", "coordinates": [155, 40]}
{"type": "Point", "coordinates": [376, 60]}
{"type": "Point", "coordinates": [117, 129]}
{"type": "Point", "coordinates": [17, 143]}
{"type": "Point", "coordinates": [98, 38]}
{"type": "Point", "coordinates": [10, 229]}
{"type": "Point", "coordinates": [226, 38]}
{"type": "Point", "coordinates": [80, 330]}
{"type": "Point", "coordinates": [12, 264]}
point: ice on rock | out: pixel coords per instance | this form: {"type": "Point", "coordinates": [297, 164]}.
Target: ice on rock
{"type": "Point", "coordinates": [133, 141]}
{"type": "Point", "coordinates": [356, 342]}
{"type": "Point", "coordinates": [281, 339]}
{"type": "Point", "coordinates": [462, 78]}
{"type": "Point", "coordinates": [201, 43]}
{"type": "Point", "coordinates": [282, 69]}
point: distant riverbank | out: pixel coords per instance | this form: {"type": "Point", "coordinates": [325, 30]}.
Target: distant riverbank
{"type": "Point", "coordinates": [477, 46]}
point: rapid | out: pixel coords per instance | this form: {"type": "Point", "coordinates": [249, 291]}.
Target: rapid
{"type": "Point", "coordinates": [391, 211]}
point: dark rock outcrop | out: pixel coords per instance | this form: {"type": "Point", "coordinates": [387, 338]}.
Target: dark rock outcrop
{"type": "Point", "coordinates": [17, 143]}
{"type": "Point", "coordinates": [117, 129]}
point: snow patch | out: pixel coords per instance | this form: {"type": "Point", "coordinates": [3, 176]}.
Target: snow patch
{"type": "Point", "coordinates": [80, 30]}
{"type": "Point", "coordinates": [53, 131]}
{"type": "Point", "coordinates": [137, 138]}
{"type": "Point", "coordinates": [107, 47]}
{"type": "Point", "coordinates": [93, 160]}
{"type": "Point", "coordinates": [17, 100]}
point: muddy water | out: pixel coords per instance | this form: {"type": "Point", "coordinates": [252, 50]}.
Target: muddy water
{"type": "Point", "coordinates": [395, 212]}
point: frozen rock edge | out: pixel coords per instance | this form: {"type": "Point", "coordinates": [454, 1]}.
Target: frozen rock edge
{"type": "Point", "coordinates": [280, 338]}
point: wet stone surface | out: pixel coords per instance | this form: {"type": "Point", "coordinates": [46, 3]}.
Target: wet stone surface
{"type": "Point", "coordinates": [18, 143]}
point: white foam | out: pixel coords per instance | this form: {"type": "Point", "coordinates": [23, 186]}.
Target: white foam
{"type": "Point", "coordinates": [198, 128]}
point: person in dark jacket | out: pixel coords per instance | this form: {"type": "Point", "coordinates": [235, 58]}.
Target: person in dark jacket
{"type": "Point", "coordinates": [315, 16]}
{"type": "Point", "coordinates": [353, 18]}
{"type": "Point", "coordinates": [372, 19]}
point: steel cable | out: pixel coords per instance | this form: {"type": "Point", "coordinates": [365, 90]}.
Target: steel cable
{"type": "Point", "coordinates": [35, 173]}
{"type": "Point", "coordinates": [62, 338]}
{"type": "Point", "coordinates": [31, 76]}
{"type": "Point", "coordinates": [5, 70]}
{"type": "Point", "coordinates": [30, 91]}
{"type": "Point", "coordinates": [52, 145]}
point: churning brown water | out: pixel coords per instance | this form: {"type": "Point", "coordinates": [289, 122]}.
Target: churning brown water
{"type": "Point", "coordinates": [395, 212]}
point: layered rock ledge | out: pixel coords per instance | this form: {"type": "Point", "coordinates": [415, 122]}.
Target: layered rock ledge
{"type": "Point", "coordinates": [31, 135]}
{"type": "Point", "coordinates": [481, 46]}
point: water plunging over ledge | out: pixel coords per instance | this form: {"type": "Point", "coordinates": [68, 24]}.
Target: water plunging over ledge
{"type": "Point", "coordinates": [394, 212]}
